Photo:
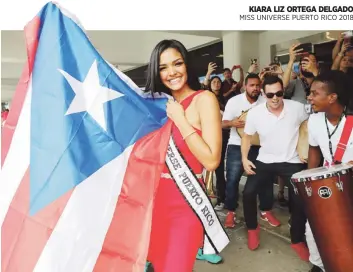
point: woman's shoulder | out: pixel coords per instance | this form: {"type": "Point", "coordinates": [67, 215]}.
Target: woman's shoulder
{"type": "Point", "coordinates": [205, 94]}
{"type": "Point", "coordinates": [205, 99]}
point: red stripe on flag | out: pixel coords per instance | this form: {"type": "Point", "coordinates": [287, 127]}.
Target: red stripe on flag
{"type": "Point", "coordinates": [125, 248]}
{"type": "Point", "coordinates": [31, 33]}
{"type": "Point", "coordinates": [24, 236]}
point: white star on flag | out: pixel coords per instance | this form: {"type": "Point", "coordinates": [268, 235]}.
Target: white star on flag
{"type": "Point", "coordinates": [90, 95]}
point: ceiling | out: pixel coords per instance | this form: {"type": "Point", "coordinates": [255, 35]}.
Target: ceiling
{"type": "Point", "coordinates": [127, 49]}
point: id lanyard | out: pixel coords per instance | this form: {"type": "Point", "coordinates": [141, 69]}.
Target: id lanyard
{"type": "Point", "coordinates": [331, 134]}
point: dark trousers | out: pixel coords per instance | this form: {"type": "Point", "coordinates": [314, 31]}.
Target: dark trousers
{"type": "Point", "coordinates": [234, 172]}
{"type": "Point", "coordinates": [221, 182]}
{"type": "Point", "coordinates": [265, 173]}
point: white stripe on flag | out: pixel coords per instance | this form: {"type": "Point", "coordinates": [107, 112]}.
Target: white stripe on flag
{"type": "Point", "coordinates": [77, 239]}
{"type": "Point", "coordinates": [18, 157]}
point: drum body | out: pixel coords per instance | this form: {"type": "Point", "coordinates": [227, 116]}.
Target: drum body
{"type": "Point", "coordinates": [255, 139]}
{"type": "Point", "coordinates": [327, 194]}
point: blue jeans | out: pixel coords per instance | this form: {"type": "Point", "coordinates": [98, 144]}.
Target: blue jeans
{"type": "Point", "coordinates": [234, 172]}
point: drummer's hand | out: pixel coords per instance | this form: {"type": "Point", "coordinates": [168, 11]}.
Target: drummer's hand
{"type": "Point", "coordinates": [248, 166]}
{"type": "Point", "coordinates": [303, 160]}
{"type": "Point", "coordinates": [350, 162]}
{"type": "Point", "coordinates": [238, 123]}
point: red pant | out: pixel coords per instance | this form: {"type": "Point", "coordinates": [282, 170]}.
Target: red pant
{"type": "Point", "coordinates": [177, 233]}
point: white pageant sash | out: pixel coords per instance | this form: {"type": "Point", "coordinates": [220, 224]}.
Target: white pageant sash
{"type": "Point", "coordinates": [216, 239]}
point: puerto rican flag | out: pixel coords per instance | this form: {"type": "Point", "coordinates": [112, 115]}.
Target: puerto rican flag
{"type": "Point", "coordinates": [82, 154]}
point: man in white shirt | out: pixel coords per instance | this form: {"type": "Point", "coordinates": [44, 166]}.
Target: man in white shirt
{"type": "Point", "coordinates": [234, 168]}
{"type": "Point", "coordinates": [329, 96]}
{"type": "Point", "coordinates": [277, 122]}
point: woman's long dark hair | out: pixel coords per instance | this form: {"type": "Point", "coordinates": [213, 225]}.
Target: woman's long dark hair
{"type": "Point", "coordinates": [220, 96]}
{"type": "Point", "coordinates": [154, 83]}
{"type": "Point", "coordinates": [213, 78]}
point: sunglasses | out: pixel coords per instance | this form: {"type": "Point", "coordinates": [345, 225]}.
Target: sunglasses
{"type": "Point", "coordinates": [278, 94]}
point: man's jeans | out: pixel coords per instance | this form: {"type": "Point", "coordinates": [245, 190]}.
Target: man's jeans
{"type": "Point", "coordinates": [234, 172]}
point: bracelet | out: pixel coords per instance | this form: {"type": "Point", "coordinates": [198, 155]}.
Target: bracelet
{"type": "Point", "coordinates": [189, 134]}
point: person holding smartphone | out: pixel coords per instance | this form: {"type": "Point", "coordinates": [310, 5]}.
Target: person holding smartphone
{"type": "Point", "coordinates": [211, 69]}
{"type": "Point", "coordinates": [343, 60]}
{"type": "Point", "coordinates": [274, 69]}
{"type": "Point", "coordinates": [230, 87]}
{"type": "Point", "coordinates": [298, 89]}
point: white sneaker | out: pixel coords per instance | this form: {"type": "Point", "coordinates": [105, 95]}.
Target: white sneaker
{"type": "Point", "coordinates": [219, 207]}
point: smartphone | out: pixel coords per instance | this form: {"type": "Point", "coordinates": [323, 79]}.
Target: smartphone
{"type": "Point", "coordinates": [307, 47]}
{"type": "Point", "coordinates": [270, 68]}
{"type": "Point", "coordinates": [296, 68]}
{"type": "Point", "coordinates": [253, 61]}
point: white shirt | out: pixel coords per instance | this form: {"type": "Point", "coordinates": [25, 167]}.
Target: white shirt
{"type": "Point", "coordinates": [318, 137]}
{"type": "Point", "coordinates": [278, 135]}
{"type": "Point", "coordinates": [234, 108]}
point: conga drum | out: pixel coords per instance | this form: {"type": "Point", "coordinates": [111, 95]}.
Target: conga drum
{"type": "Point", "coordinates": [255, 140]}
{"type": "Point", "coordinates": [303, 141]}
{"type": "Point", "coordinates": [327, 195]}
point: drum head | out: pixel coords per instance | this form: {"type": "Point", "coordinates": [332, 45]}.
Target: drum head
{"type": "Point", "coordinates": [322, 172]}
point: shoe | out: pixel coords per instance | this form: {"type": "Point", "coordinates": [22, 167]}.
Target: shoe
{"type": "Point", "coordinates": [254, 238]}
{"type": "Point", "coordinates": [219, 206]}
{"type": "Point", "coordinates": [148, 267]}
{"type": "Point", "coordinates": [230, 220]}
{"type": "Point", "coordinates": [316, 269]}
{"type": "Point", "coordinates": [211, 258]}
{"type": "Point", "coordinates": [302, 251]}
{"type": "Point", "coordinates": [270, 218]}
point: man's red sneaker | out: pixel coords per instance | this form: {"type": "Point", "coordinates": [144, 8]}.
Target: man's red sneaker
{"type": "Point", "coordinates": [270, 218]}
{"type": "Point", "coordinates": [230, 220]}
{"type": "Point", "coordinates": [302, 251]}
{"type": "Point", "coordinates": [254, 238]}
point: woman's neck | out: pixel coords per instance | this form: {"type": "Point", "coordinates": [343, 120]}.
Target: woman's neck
{"type": "Point", "coordinates": [181, 94]}
{"type": "Point", "coordinates": [216, 92]}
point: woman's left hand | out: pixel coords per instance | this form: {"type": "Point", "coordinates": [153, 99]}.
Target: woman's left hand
{"type": "Point", "coordinates": [175, 111]}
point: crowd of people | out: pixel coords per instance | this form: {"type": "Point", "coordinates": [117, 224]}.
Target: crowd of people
{"type": "Point", "coordinates": [276, 103]}
{"type": "Point", "coordinates": [250, 126]}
